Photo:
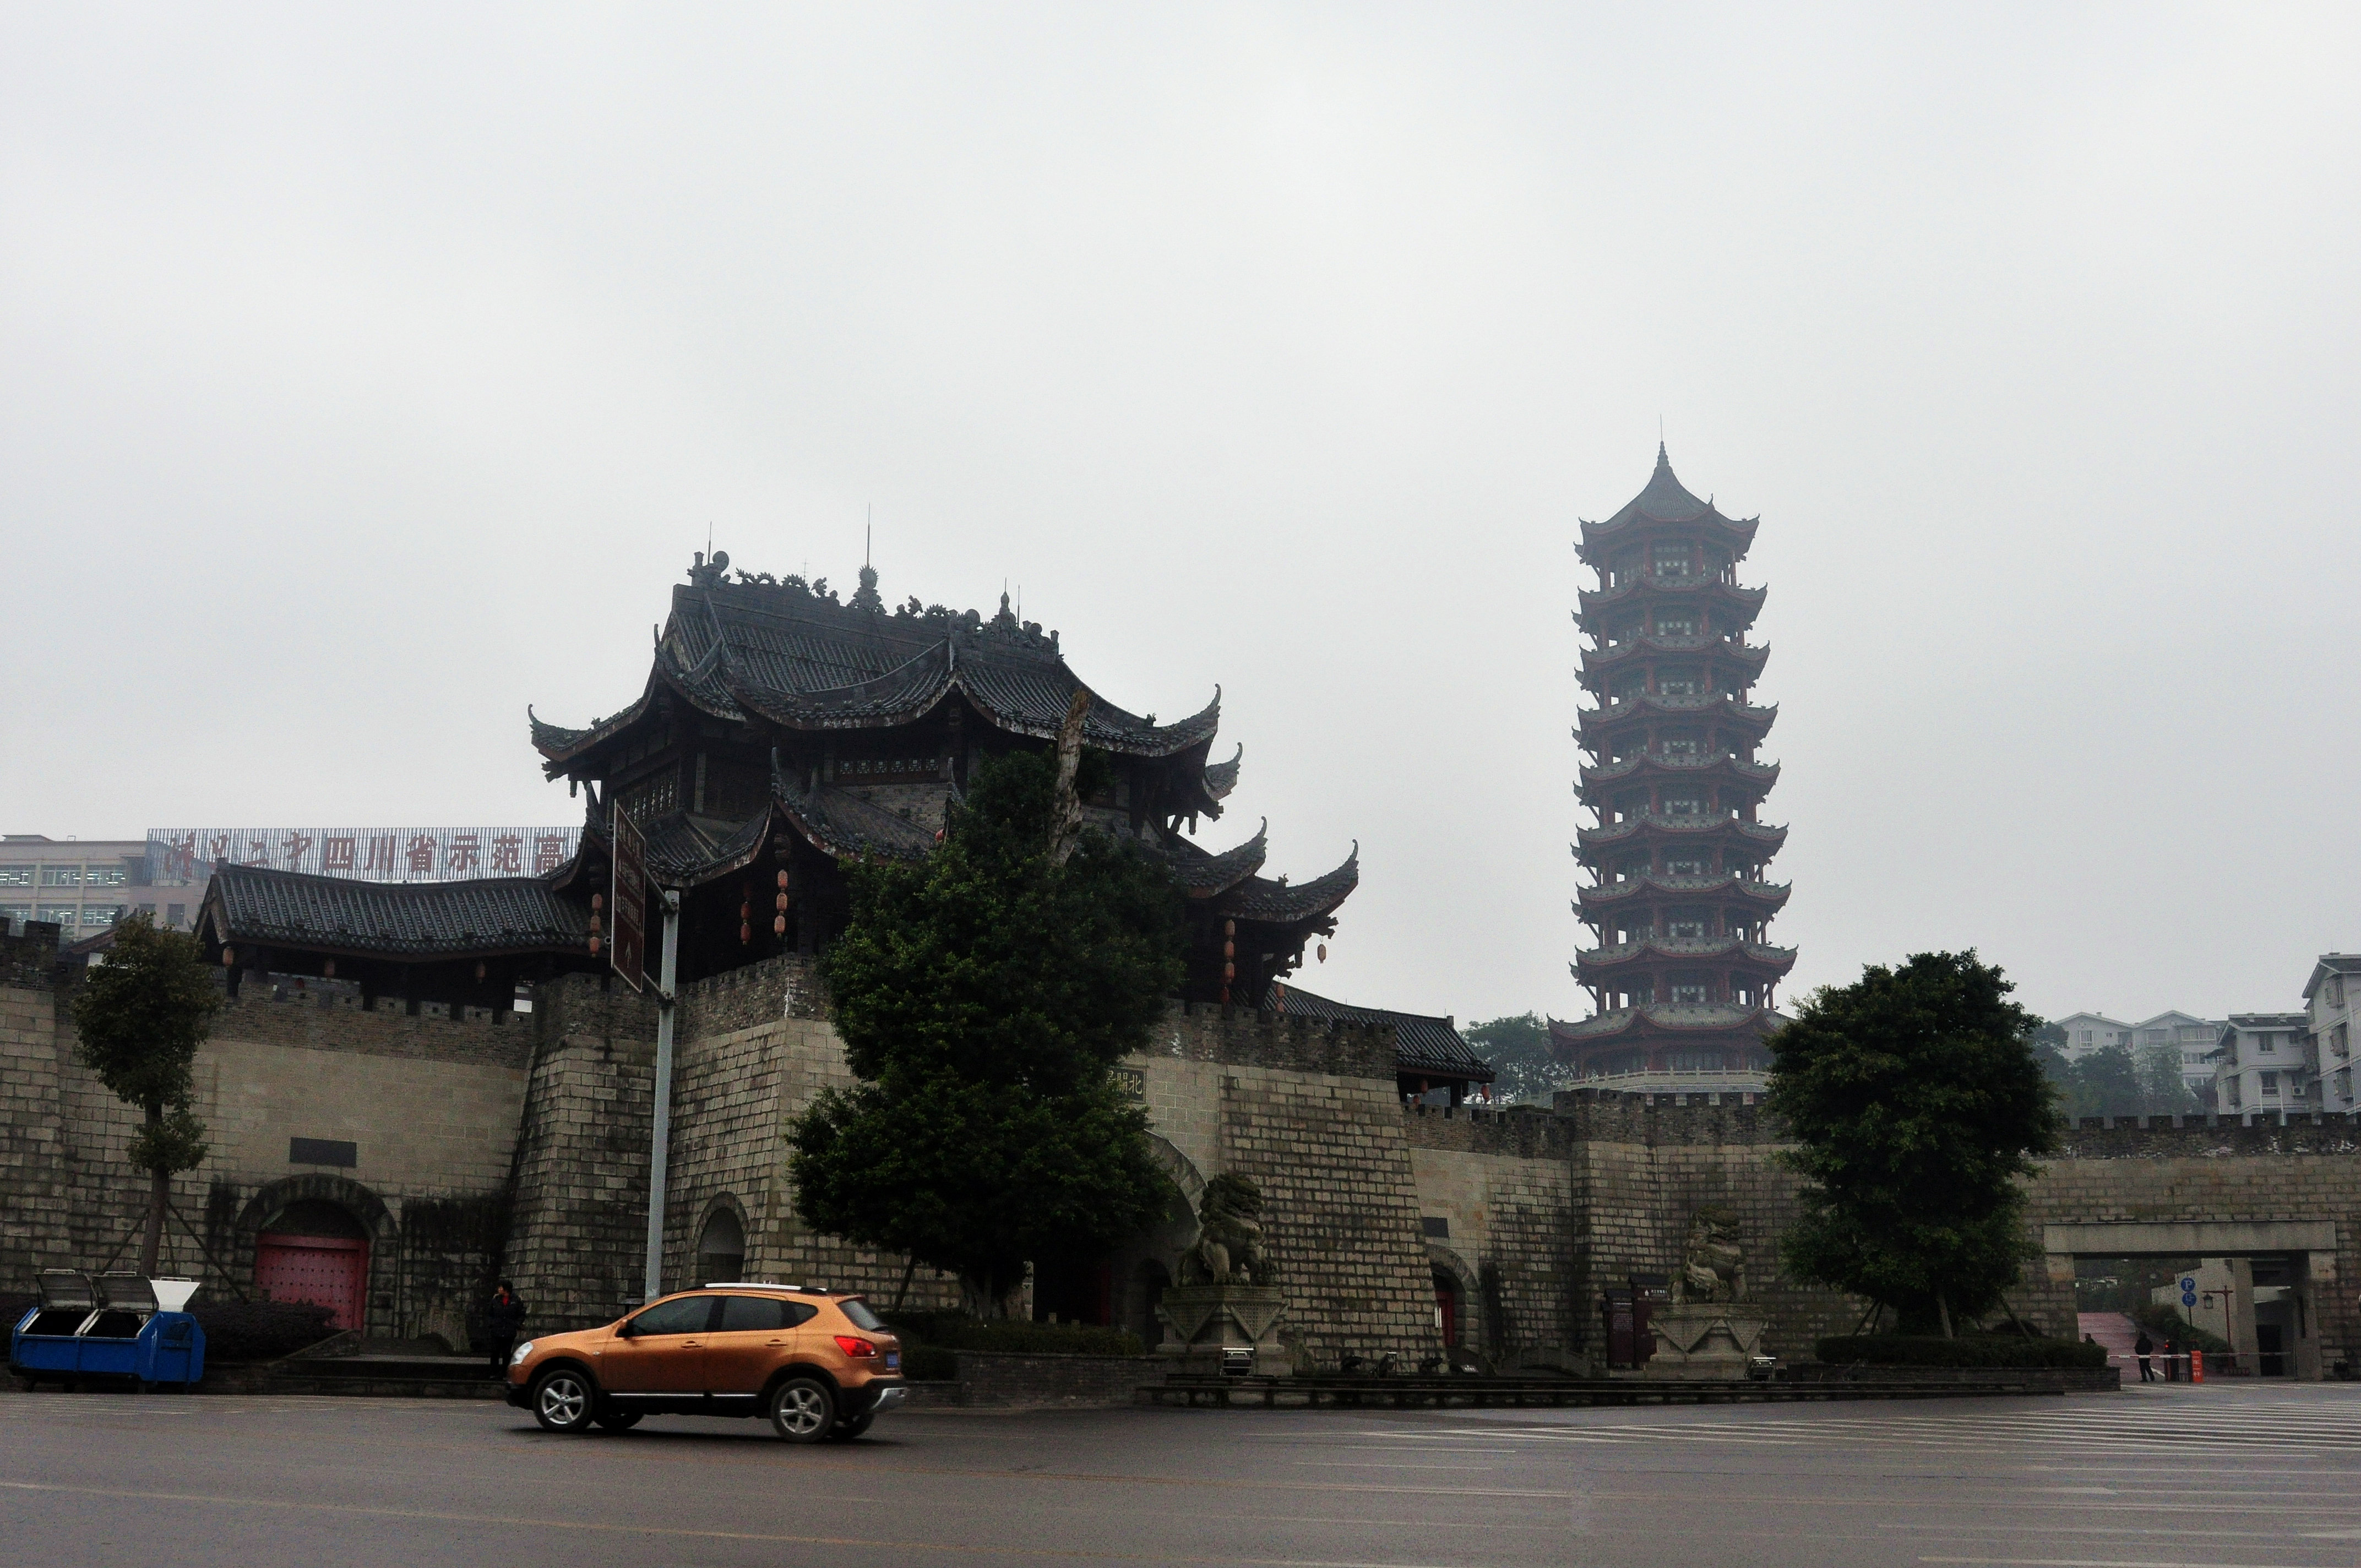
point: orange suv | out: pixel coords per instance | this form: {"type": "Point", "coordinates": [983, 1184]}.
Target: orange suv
{"type": "Point", "coordinates": [820, 1365]}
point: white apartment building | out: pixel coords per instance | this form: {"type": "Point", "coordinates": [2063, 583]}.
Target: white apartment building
{"type": "Point", "coordinates": [2263, 1062]}
{"type": "Point", "coordinates": [2330, 998]}
{"type": "Point", "coordinates": [2194, 1039]}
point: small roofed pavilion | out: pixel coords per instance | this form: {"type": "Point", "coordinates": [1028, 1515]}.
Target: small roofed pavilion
{"type": "Point", "coordinates": [1432, 1063]}
{"type": "Point", "coordinates": [1679, 898]}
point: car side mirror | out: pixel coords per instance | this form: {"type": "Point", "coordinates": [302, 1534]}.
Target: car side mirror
{"type": "Point", "coordinates": [625, 1330]}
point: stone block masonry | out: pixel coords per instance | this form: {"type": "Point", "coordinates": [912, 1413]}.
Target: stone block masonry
{"type": "Point", "coordinates": [518, 1143]}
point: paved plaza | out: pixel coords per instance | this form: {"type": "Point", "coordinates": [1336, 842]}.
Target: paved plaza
{"type": "Point", "coordinates": [2221, 1474]}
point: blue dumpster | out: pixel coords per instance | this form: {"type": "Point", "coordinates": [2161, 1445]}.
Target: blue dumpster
{"type": "Point", "coordinates": [116, 1327]}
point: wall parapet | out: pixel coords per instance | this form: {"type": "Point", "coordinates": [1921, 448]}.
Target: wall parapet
{"type": "Point", "coordinates": [1240, 1036]}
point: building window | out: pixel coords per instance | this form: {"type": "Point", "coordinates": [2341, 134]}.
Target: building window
{"type": "Point", "coordinates": [2335, 984]}
{"type": "Point", "coordinates": [1687, 864]}
{"type": "Point", "coordinates": [2086, 1040]}
{"type": "Point", "coordinates": [1686, 927]}
{"type": "Point", "coordinates": [1672, 561]}
{"type": "Point", "coordinates": [58, 913]}
{"type": "Point", "coordinates": [176, 916]}
{"type": "Point", "coordinates": [2344, 1083]}
{"type": "Point", "coordinates": [2266, 1042]}
{"type": "Point", "coordinates": [1689, 991]}
{"type": "Point", "coordinates": [60, 876]}
{"type": "Point", "coordinates": [101, 915]}
{"type": "Point", "coordinates": [1684, 805]}
{"type": "Point", "coordinates": [1672, 624]}
{"type": "Point", "coordinates": [1682, 680]}
{"type": "Point", "coordinates": [2270, 1083]}
{"type": "Point", "coordinates": [148, 910]}
{"type": "Point", "coordinates": [2336, 1041]}
{"type": "Point", "coordinates": [105, 876]}
{"type": "Point", "coordinates": [15, 876]}
{"type": "Point", "coordinates": [16, 914]}
{"type": "Point", "coordinates": [1681, 746]}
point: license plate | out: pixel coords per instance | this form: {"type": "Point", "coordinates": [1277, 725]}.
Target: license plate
{"type": "Point", "coordinates": [892, 1361]}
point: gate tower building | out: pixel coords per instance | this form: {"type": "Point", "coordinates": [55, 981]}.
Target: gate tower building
{"type": "Point", "coordinates": [1682, 978]}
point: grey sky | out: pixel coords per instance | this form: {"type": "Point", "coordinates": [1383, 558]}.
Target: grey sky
{"type": "Point", "coordinates": [368, 374]}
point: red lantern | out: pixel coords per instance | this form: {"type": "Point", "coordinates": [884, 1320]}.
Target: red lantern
{"type": "Point", "coordinates": [229, 957]}
{"type": "Point", "coordinates": [783, 880]}
{"type": "Point", "coordinates": [778, 925]}
{"type": "Point", "coordinates": [1229, 971]}
{"type": "Point", "coordinates": [1324, 952]}
{"type": "Point", "coordinates": [594, 944]}
{"type": "Point", "coordinates": [745, 932]}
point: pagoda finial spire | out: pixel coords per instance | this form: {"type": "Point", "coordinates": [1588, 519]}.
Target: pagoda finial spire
{"type": "Point", "coordinates": [1663, 460]}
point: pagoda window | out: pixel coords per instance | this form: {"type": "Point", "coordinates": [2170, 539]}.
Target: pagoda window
{"type": "Point", "coordinates": [1623, 631]}
{"type": "Point", "coordinates": [1633, 870]}
{"type": "Point", "coordinates": [1682, 746]}
{"type": "Point", "coordinates": [1691, 991]}
{"type": "Point", "coordinates": [652, 796]}
{"type": "Point", "coordinates": [1626, 686]}
{"type": "Point", "coordinates": [1696, 1061]}
{"type": "Point", "coordinates": [1684, 805]}
{"type": "Point", "coordinates": [1672, 561]}
{"type": "Point", "coordinates": [1689, 862]}
{"type": "Point", "coordinates": [1689, 924]}
{"type": "Point", "coordinates": [1680, 680]}
{"type": "Point", "coordinates": [1677, 623]}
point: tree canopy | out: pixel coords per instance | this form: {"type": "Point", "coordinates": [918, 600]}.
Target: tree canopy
{"type": "Point", "coordinates": [1915, 1103]}
{"type": "Point", "coordinates": [1518, 1048]}
{"type": "Point", "coordinates": [140, 1016]}
{"type": "Point", "coordinates": [983, 996]}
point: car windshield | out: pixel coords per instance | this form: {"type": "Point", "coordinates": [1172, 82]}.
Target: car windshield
{"type": "Point", "coordinates": [862, 1318]}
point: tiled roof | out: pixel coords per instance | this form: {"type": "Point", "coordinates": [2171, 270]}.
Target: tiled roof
{"type": "Point", "coordinates": [1205, 875]}
{"type": "Point", "coordinates": [1666, 500]}
{"type": "Point", "coordinates": [1284, 904]}
{"type": "Point", "coordinates": [1223, 777]}
{"type": "Point", "coordinates": [1421, 1044]}
{"type": "Point", "coordinates": [806, 661]}
{"type": "Point", "coordinates": [1665, 1020]}
{"type": "Point", "coordinates": [401, 920]}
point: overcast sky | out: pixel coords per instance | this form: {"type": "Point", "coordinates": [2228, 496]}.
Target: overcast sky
{"type": "Point", "coordinates": [369, 373]}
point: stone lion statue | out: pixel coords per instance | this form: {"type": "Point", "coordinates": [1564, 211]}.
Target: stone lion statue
{"type": "Point", "coordinates": [1228, 1250]}
{"type": "Point", "coordinates": [1713, 1266]}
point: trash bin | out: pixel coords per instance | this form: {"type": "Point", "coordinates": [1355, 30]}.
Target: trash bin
{"type": "Point", "coordinates": [117, 1326]}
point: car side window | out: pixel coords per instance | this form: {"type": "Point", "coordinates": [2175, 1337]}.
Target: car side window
{"type": "Point", "coordinates": [745, 1313]}
{"type": "Point", "coordinates": [689, 1315]}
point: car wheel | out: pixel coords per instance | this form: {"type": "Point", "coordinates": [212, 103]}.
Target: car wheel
{"type": "Point", "coordinates": [802, 1409]}
{"type": "Point", "coordinates": [620, 1421]}
{"type": "Point", "coordinates": [562, 1401]}
{"type": "Point", "coordinates": [846, 1430]}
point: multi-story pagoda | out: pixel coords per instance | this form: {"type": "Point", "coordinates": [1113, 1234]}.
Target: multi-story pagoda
{"type": "Point", "coordinates": [1682, 976]}
{"type": "Point", "coordinates": [781, 732]}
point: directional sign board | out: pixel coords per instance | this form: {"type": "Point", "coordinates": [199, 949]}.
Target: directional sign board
{"type": "Point", "coordinates": [629, 945]}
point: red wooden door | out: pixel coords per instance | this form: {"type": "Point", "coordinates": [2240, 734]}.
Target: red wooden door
{"type": "Point", "coordinates": [328, 1271]}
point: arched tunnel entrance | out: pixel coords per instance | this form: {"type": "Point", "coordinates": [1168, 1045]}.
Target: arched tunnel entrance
{"type": "Point", "coordinates": [2243, 1292]}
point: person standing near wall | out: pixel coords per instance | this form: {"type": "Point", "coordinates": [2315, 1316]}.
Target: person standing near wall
{"type": "Point", "coordinates": [2145, 1347]}
{"type": "Point", "coordinates": [503, 1320]}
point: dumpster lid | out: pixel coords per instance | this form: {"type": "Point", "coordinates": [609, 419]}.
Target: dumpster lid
{"type": "Point", "coordinates": [172, 1294]}
{"type": "Point", "coordinates": [67, 1290]}
{"type": "Point", "coordinates": [126, 1292]}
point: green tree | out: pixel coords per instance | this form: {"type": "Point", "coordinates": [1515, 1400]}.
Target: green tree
{"type": "Point", "coordinates": [983, 995]}
{"type": "Point", "coordinates": [1915, 1099]}
{"type": "Point", "coordinates": [1518, 1048]}
{"type": "Point", "coordinates": [2163, 1092]}
{"type": "Point", "coordinates": [2106, 1083]}
{"type": "Point", "coordinates": [140, 1016]}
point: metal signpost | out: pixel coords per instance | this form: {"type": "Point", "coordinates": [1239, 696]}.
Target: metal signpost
{"type": "Point", "coordinates": [660, 1136]}
{"type": "Point", "coordinates": [629, 951]}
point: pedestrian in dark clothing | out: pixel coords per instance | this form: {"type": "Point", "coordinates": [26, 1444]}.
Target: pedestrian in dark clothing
{"type": "Point", "coordinates": [503, 1320]}
{"type": "Point", "coordinates": [2145, 1347]}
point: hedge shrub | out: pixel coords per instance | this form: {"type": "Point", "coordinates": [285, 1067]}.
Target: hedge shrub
{"type": "Point", "coordinates": [260, 1331]}
{"type": "Point", "coordinates": [955, 1330]}
{"type": "Point", "coordinates": [1994, 1349]}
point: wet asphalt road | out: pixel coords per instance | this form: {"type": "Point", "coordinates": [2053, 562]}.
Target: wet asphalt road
{"type": "Point", "coordinates": [2221, 1474]}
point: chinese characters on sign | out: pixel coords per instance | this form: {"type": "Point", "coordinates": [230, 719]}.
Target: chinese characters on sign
{"type": "Point", "coordinates": [182, 855]}
{"type": "Point", "coordinates": [628, 946]}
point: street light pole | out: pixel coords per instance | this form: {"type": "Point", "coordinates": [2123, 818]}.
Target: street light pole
{"type": "Point", "coordinates": [660, 1138]}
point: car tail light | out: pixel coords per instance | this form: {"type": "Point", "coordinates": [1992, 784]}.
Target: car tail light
{"type": "Point", "coordinates": [854, 1347]}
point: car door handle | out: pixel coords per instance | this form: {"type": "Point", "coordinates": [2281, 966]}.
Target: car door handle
{"type": "Point", "coordinates": [692, 1345]}
{"type": "Point", "coordinates": [774, 1341]}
